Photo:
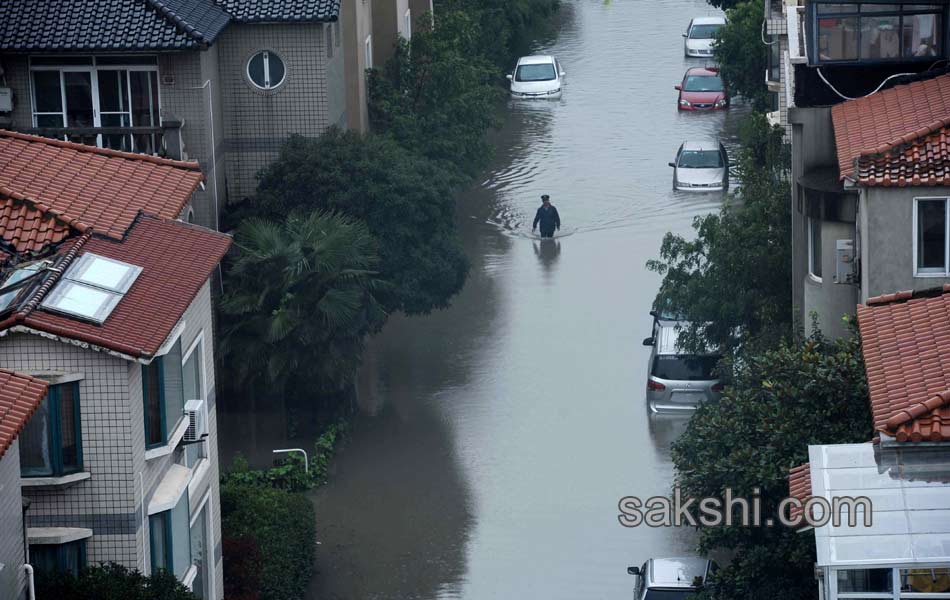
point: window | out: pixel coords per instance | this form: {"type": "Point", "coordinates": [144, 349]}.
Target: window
{"type": "Point", "coordinates": [875, 32]}
{"type": "Point", "coordinates": [170, 539]}
{"type": "Point", "coordinates": [201, 552]}
{"type": "Point", "coordinates": [120, 91]}
{"type": "Point", "coordinates": [931, 236]}
{"type": "Point", "coordinates": [814, 247]}
{"type": "Point", "coordinates": [51, 442]}
{"type": "Point", "coordinates": [700, 159]}
{"type": "Point", "coordinates": [407, 24]}
{"type": "Point", "coordinates": [328, 33]}
{"type": "Point", "coordinates": [18, 276]}
{"type": "Point", "coordinates": [92, 287]}
{"type": "Point", "coordinates": [934, 581]}
{"type": "Point", "coordinates": [704, 31]}
{"type": "Point", "coordinates": [538, 72]}
{"type": "Point", "coordinates": [193, 385]}
{"type": "Point", "coordinates": [703, 83]}
{"type": "Point", "coordinates": [368, 51]}
{"type": "Point", "coordinates": [58, 558]}
{"type": "Point", "coordinates": [163, 395]}
{"type": "Point", "coordinates": [266, 70]}
{"type": "Point", "coordinates": [681, 367]}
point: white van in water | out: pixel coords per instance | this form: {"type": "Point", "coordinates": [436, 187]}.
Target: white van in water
{"type": "Point", "coordinates": [537, 77]}
{"type": "Point", "coordinates": [678, 380]}
{"type": "Point", "coordinates": [671, 578]}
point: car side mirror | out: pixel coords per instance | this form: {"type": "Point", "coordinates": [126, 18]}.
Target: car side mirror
{"type": "Point", "coordinates": [633, 570]}
{"type": "Point", "coordinates": [648, 341]}
{"type": "Point", "coordinates": [678, 87]}
{"type": "Point", "coordinates": [509, 76]}
{"type": "Point", "coordinates": [684, 35]}
{"type": "Point", "coordinates": [672, 165]}
{"type": "Point", "coordinates": [654, 314]}
{"type": "Point", "coordinates": [563, 73]}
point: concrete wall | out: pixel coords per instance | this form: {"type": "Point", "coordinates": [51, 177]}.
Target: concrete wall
{"type": "Point", "coordinates": [12, 552]}
{"type": "Point", "coordinates": [257, 122]}
{"type": "Point", "coordinates": [336, 75]}
{"type": "Point", "coordinates": [420, 8]}
{"type": "Point", "coordinates": [387, 19]}
{"type": "Point", "coordinates": [357, 19]}
{"type": "Point", "coordinates": [887, 240]}
{"type": "Point", "coordinates": [829, 300]}
{"type": "Point", "coordinates": [110, 501]}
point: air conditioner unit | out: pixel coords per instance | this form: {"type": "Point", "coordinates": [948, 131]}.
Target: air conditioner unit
{"type": "Point", "coordinates": [844, 262]}
{"type": "Point", "coordinates": [196, 411]}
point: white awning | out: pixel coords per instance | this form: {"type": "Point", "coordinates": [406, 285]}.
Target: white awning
{"type": "Point", "coordinates": [170, 490]}
{"type": "Point", "coordinates": [56, 535]}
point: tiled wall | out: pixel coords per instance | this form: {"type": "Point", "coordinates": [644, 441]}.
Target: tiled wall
{"type": "Point", "coordinates": [12, 577]}
{"type": "Point", "coordinates": [257, 122]}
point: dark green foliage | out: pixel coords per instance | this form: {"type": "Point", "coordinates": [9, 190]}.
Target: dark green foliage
{"type": "Point", "coordinates": [281, 526]}
{"type": "Point", "coordinates": [112, 581]}
{"type": "Point", "coordinates": [742, 57]}
{"type": "Point", "coordinates": [406, 202]}
{"type": "Point", "coordinates": [733, 281]}
{"type": "Point", "coordinates": [299, 301]}
{"type": "Point", "coordinates": [807, 392]}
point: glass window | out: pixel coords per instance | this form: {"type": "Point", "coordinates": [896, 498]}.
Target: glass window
{"type": "Point", "coordinates": [838, 38]}
{"type": "Point", "coordinates": [201, 554]}
{"type": "Point", "coordinates": [160, 543]}
{"type": "Point", "coordinates": [541, 72]}
{"type": "Point", "coordinates": [700, 159]}
{"type": "Point", "coordinates": [170, 539]}
{"type": "Point", "coordinates": [192, 374]}
{"type": "Point", "coordinates": [58, 558]}
{"type": "Point", "coordinates": [684, 367]}
{"type": "Point", "coordinates": [931, 236]}
{"type": "Point", "coordinates": [51, 442]}
{"type": "Point", "coordinates": [704, 32]}
{"type": "Point", "coordinates": [880, 37]}
{"type": "Point", "coordinates": [20, 274]}
{"type": "Point", "coordinates": [866, 580]}
{"type": "Point", "coordinates": [925, 581]}
{"type": "Point", "coordinates": [48, 93]}
{"type": "Point", "coordinates": [266, 70]}
{"type": "Point", "coordinates": [703, 83]}
{"type": "Point", "coordinates": [879, 32]}
{"type": "Point", "coordinates": [923, 36]}
{"type": "Point", "coordinates": [814, 246]}
{"type": "Point", "coordinates": [162, 388]}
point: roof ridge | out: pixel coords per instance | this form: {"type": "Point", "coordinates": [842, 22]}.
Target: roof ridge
{"type": "Point", "coordinates": [904, 140]}
{"type": "Point", "coordinates": [17, 197]}
{"type": "Point", "coordinates": [179, 23]}
{"type": "Point", "coordinates": [181, 164]}
{"type": "Point", "coordinates": [915, 411]}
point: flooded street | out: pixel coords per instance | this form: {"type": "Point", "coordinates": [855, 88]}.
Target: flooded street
{"type": "Point", "coordinates": [496, 437]}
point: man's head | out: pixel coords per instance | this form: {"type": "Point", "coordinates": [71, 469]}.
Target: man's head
{"type": "Point", "coordinates": [546, 199]}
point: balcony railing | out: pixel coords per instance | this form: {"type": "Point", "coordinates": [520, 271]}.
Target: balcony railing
{"type": "Point", "coordinates": [158, 141]}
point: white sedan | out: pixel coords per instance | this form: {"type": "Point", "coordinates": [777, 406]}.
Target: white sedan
{"type": "Point", "coordinates": [700, 36]}
{"type": "Point", "coordinates": [537, 77]}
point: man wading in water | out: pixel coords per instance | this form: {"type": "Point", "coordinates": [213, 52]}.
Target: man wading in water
{"type": "Point", "coordinates": [547, 217]}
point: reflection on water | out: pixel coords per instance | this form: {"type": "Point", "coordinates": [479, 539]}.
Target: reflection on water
{"type": "Point", "coordinates": [498, 436]}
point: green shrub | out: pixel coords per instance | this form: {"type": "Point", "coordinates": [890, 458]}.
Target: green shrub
{"type": "Point", "coordinates": [281, 526]}
{"type": "Point", "coordinates": [112, 581]}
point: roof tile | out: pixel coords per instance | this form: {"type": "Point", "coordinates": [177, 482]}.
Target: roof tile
{"type": "Point", "coordinates": [20, 395]}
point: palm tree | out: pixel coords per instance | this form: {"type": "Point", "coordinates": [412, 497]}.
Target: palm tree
{"type": "Point", "coordinates": [299, 302]}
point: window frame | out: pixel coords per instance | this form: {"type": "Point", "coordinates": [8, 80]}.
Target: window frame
{"type": "Point", "coordinates": [198, 342]}
{"type": "Point", "coordinates": [810, 233]}
{"type": "Point", "coordinates": [928, 272]}
{"type": "Point", "coordinates": [205, 504]}
{"type": "Point", "coordinates": [407, 23]}
{"type": "Point", "coordinates": [368, 51]}
{"type": "Point", "coordinates": [60, 555]}
{"type": "Point", "coordinates": [167, 533]}
{"type": "Point", "coordinates": [93, 67]}
{"type": "Point", "coordinates": [166, 429]}
{"type": "Point", "coordinates": [265, 57]}
{"type": "Point", "coordinates": [815, 17]}
{"type": "Point", "coordinates": [54, 434]}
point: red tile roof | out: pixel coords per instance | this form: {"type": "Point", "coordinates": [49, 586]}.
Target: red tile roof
{"type": "Point", "coordinates": [799, 486]}
{"type": "Point", "coordinates": [899, 120]}
{"type": "Point", "coordinates": [27, 229]}
{"type": "Point", "coordinates": [176, 260]}
{"type": "Point", "coordinates": [923, 162]}
{"type": "Point", "coordinates": [86, 186]}
{"type": "Point", "coordinates": [19, 397]}
{"type": "Point", "coordinates": [906, 346]}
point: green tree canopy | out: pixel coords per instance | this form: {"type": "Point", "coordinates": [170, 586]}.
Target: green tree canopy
{"type": "Point", "coordinates": [112, 581]}
{"type": "Point", "coordinates": [299, 302]}
{"type": "Point", "coordinates": [742, 56]}
{"type": "Point", "coordinates": [809, 392]}
{"type": "Point", "coordinates": [406, 202]}
{"type": "Point", "coordinates": [733, 281]}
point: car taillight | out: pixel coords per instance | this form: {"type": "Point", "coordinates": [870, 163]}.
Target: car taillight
{"type": "Point", "coordinates": [655, 386]}
{"type": "Point", "coordinates": [718, 387]}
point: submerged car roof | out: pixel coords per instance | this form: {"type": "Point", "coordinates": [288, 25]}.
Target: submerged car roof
{"type": "Point", "coordinates": [539, 59]}
{"type": "Point", "coordinates": [709, 144]}
{"type": "Point", "coordinates": [677, 572]}
{"type": "Point", "coordinates": [702, 71]}
{"type": "Point", "coordinates": [709, 20]}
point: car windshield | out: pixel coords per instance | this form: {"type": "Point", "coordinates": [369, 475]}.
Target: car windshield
{"type": "Point", "coordinates": [703, 83]}
{"type": "Point", "coordinates": [541, 72]}
{"type": "Point", "coordinates": [704, 32]}
{"type": "Point", "coordinates": [683, 367]}
{"type": "Point", "coordinates": [700, 159]}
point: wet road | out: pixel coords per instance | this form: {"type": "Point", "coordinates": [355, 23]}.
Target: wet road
{"type": "Point", "coordinates": [498, 436]}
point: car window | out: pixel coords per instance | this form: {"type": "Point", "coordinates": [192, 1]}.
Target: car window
{"type": "Point", "coordinates": [700, 159]}
{"type": "Point", "coordinates": [669, 595]}
{"type": "Point", "coordinates": [703, 83]}
{"type": "Point", "coordinates": [682, 367]}
{"type": "Point", "coordinates": [704, 32]}
{"type": "Point", "coordinates": [542, 72]}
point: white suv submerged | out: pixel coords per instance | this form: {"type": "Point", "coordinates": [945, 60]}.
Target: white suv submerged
{"type": "Point", "coordinates": [537, 77]}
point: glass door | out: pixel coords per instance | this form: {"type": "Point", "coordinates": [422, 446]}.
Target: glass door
{"type": "Point", "coordinates": [114, 109]}
{"type": "Point", "coordinates": [80, 109]}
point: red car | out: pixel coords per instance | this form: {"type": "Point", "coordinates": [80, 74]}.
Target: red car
{"type": "Point", "coordinates": [702, 89]}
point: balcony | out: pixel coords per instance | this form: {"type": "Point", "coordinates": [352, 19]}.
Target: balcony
{"type": "Point", "coordinates": [164, 141]}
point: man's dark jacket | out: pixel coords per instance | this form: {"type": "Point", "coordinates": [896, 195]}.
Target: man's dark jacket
{"type": "Point", "coordinates": [548, 218]}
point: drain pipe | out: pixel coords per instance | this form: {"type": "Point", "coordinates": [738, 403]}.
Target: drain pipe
{"type": "Point", "coordinates": [30, 584]}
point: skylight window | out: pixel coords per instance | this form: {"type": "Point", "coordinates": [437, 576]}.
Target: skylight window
{"type": "Point", "coordinates": [17, 276]}
{"type": "Point", "coordinates": [92, 287]}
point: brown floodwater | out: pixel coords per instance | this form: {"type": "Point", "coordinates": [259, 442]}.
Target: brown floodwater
{"type": "Point", "coordinates": [496, 437]}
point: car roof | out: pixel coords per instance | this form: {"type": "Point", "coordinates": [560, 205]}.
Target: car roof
{"type": "Point", "coordinates": [667, 338]}
{"type": "Point", "coordinates": [704, 144]}
{"type": "Point", "coordinates": [677, 572]}
{"type": "Point", "coordinates": [709, 20]}
{"type": "Point", "coordinates": [538, 59]}
{"type": "Point", "coordinates": [708, 71]}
